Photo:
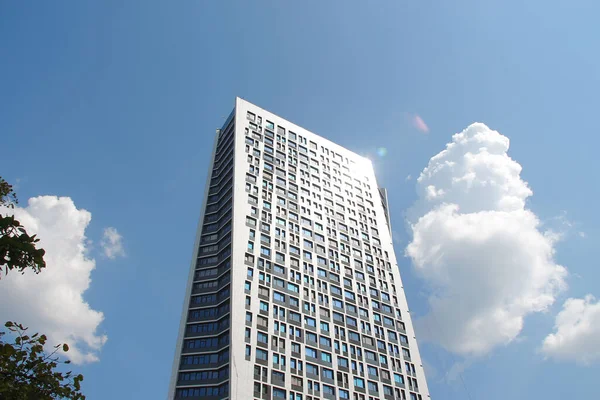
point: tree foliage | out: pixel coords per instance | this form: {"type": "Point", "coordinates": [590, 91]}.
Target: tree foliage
{"type": "Point", "coordinates": [8, 197]}
{"type": "Point", "coordinates": [18, 249]}
{"type": "Point", "coordinates": [28, 373]}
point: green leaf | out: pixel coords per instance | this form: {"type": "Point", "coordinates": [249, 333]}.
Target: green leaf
{"type": "Point", "coordinates": [65, 347]}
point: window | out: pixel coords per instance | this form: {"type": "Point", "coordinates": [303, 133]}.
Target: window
{"type": "Point", "coordinates": [310, 353]}
{"type": "Point", "coordinates": [293, 287]}
{"type": "Point", "coordinates": [262, 337]}
{"type": "Point", "coordinates": [264, 306]}
{"type": "Point", "coordinates": [261, 354]}
{"type": "Point", "coordinates": [399, 379]}
{"type": "Point", "coordinates": [373, 387]}
{"type": "Point", "coordinates": [262, 322]}
{"type": "Point", "coordinates": [282, 328]}
{"type": "Point", "coordinates": [312, 369]}
{"type": "Point", "coordinates": [278, 296]}
{"type": "Point", "coordinates": [294, 301]}
{"type": "Point", "coordinates": [353, 336]}
{"type": "Point", "coordinates": [406, 353]}
{"type": "Point", "coordinates": [276, 375]}
{"type": "Point", "coordinates": [359, 383]}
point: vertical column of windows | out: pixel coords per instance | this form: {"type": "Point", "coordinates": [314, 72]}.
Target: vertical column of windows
{"type": "Point", "coordinates": [204, 362]}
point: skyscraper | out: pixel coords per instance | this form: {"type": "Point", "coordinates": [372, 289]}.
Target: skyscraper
{"type": "Point", "coordinates": [294, 291]}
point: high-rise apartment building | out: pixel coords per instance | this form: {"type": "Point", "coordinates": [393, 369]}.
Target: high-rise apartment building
{"type": "Point", "coordinates": [294, 291]}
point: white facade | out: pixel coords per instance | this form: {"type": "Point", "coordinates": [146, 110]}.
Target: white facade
{"type": "Point", "coordinates": [323, 267]}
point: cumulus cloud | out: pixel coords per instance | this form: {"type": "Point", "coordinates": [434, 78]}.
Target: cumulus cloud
{"type": "Point", "coordinates": [479, 248]}
{"type": "Point", "coordinates": [52, 301]}
{"type": "Point", "coordinates": [577, 332]}
{"type": "Point", "coordinates": [112, 243]}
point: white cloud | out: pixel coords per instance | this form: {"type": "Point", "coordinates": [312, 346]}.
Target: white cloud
{"type": "Point", "coordinates": [52, 302]}
{"type": "Point", "coordinates": [112, 243]}
{"type": "Point", "coordinates": [478, 247]}
{"type": "Point", "coordinates": [563, 227]}
{"type": "Point", "coordinates": [433, 193]}
{"type": "Point", "coordinates": [577, 332]}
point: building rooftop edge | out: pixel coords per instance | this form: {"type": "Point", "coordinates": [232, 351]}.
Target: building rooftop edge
{"type": "Point", "coordinates": [366, 159]}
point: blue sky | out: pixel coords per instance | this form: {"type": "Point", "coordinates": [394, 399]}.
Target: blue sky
{"type": "Point", "coordinates": [115, 104]}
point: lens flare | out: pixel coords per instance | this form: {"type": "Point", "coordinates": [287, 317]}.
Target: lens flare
{"type": "Point", "coordinates": [420, 124]}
